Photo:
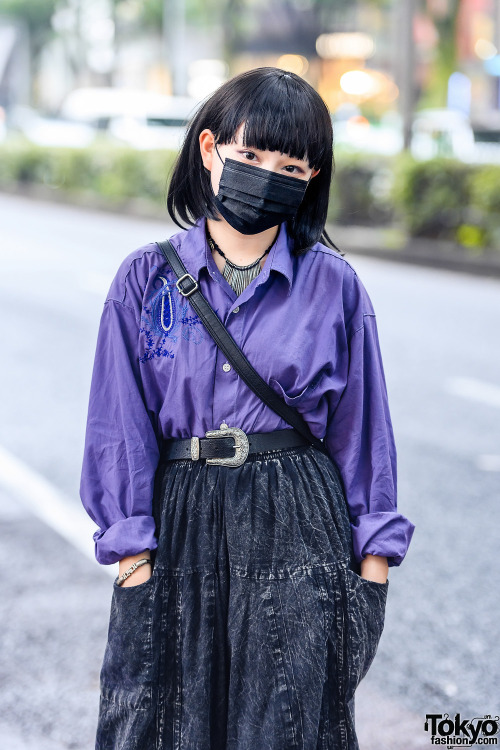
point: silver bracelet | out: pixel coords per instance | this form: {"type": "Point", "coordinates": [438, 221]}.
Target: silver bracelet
{"type": "Point", "coordinates": [133, 567]}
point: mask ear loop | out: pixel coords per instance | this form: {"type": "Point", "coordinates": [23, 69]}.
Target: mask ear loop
{"type": "Point", "coordinates": [310, 178]}
{"type": "Point", "coordinates": [218, 152]}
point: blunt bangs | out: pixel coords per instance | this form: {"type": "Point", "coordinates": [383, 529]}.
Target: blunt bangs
{"type": "Point", "coordinates": [281, 112]}
{"type": "Point", "coordinates": [277, 116]}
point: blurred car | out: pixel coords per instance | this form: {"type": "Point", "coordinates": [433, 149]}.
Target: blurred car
{"type": "Point", "coordinates": [352, 131]}
{"type": "Point", "coordinates": [435, 132]}
{"type": "Point", "coordinates": [442, 132]}
{"type": "Point", "coordinates": [49, 131]}
{"type": "Point", "coordinates": [486, 128]}
{"type": "Point", "coordinates": [140, 119]}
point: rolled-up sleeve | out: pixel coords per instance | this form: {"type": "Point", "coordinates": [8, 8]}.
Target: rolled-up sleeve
{"type": "Point", "coordinates": [121, 451]}
{"type": "Point", "coordinates": [360, 440]}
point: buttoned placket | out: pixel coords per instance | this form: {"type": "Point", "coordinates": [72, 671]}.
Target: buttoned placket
{"type": "Point", "coordinates": [227, 382]}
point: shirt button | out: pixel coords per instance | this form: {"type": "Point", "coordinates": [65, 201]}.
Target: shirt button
{"type": "Point", "coordinates": [226, 366]}
{"type": "Point", "coordinates": [236, 309]}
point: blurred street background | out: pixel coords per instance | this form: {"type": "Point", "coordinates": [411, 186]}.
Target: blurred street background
{"type": "Point", "coordinates": [95, 97]}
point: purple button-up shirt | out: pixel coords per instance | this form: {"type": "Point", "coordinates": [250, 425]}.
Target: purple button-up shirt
{"type": "Point", "coordinates": [308, 327]}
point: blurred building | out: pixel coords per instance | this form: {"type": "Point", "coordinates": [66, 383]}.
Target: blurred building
{"type": "Point", "coordinates": [352, 52]}
{"type": "Point", "coordinates": [478, 52]}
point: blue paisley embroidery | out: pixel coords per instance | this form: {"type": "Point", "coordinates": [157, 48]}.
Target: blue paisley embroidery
{"type": "Point", "coordinates": [166, 314]}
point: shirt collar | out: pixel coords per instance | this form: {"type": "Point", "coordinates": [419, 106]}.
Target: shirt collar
{"type": "Point", "coordinates": [196, 252]}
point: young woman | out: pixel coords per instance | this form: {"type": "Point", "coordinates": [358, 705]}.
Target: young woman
{"type": "Point", "coordinates": [259, 599]}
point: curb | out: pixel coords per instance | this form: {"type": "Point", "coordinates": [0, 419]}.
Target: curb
{"type": "Point", "coordinates": [392, 245]}
{"type": "Point", "coordinates": [382, 243]}
{"type": "Point", "coordinates": [137, 207]}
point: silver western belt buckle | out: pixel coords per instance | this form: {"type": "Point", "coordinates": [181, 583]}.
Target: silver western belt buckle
{"type": "Point", "coordinates": [241, 446]}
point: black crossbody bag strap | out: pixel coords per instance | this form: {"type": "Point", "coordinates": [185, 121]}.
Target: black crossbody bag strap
{"type": "Point", "coordinates": [188, 287]}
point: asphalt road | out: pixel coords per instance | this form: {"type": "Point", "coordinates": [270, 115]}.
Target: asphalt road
{"type": "Point", "coordinates": [440, 342]}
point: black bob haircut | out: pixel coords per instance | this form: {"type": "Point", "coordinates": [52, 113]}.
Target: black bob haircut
{"type": "Point", "coordinates": [282, 112]}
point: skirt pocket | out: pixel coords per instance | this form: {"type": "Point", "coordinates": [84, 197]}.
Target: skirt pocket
{"type": "Point", "coordinates": [126, 676]}
{"type": "Point", "coordinates": [365, 613]}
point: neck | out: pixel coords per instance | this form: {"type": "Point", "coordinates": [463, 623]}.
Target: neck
{"type": "Point", "coordinates": [241, 249]}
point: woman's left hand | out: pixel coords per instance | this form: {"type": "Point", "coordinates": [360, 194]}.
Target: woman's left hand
{"type": "Point", "coordinates": [374, 568]}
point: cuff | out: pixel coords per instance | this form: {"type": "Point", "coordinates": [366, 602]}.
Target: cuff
{"type": "Point", "coordinates": [129, 536]}
{"type": "Point", "coordinates": [387, 534]}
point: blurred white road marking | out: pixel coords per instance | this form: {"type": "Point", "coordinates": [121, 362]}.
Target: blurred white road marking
{"type": "Point", "coordinates": [475, 390]}
{"type": "Point", "coordinates": [54, 508]}
{"type": "Point", "coordinates": [488, 462]}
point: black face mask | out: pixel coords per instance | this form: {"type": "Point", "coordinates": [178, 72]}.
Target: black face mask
{"type": "Point", "coordinates": [252, 199]}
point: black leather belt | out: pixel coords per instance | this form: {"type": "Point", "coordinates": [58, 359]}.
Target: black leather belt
{"type": "Point", "coordinates": [229, 446]}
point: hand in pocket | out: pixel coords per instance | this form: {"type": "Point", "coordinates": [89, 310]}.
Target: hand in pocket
{"type": "Point", "coordinates": [141, 575]}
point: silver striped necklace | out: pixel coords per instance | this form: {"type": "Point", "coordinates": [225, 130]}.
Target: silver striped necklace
{"type": "Point", "coordinates": [238, 277]}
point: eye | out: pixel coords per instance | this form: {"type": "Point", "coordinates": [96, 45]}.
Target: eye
{"type": "Point", "coordinates": [244, 153]}
{"type": "Point", "coordinates": [293, 166]}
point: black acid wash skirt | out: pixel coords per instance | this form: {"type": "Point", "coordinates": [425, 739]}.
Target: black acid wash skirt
{"type": "Point", "coordinates": [255, 627]}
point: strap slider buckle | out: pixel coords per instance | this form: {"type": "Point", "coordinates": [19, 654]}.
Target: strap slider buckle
{"type": "Point", "coordinates": [191, 289]}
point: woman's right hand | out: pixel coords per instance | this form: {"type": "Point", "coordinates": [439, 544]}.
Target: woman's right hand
{"type": "Point", "coordinates": [140, 574]}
